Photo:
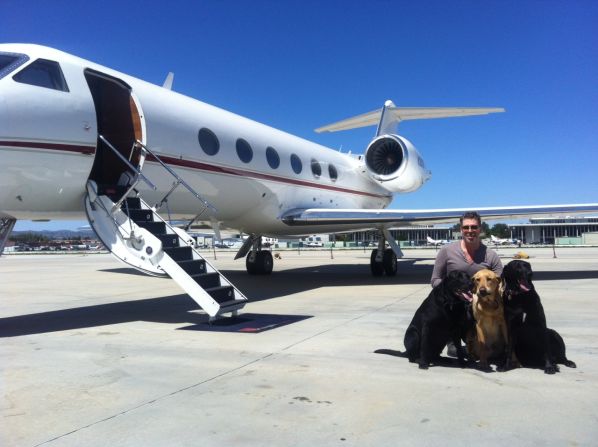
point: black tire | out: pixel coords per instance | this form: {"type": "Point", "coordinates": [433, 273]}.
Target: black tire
{"type": "Point", "coordinates": [251, 266]}
{"type": "Point", "coordinates": [390, 262]}
{"type": "Point", "coordinates": [376, 267]}
{"type": "Point", "coordinates": [265, 262]}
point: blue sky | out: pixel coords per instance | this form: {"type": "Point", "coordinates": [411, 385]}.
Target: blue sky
{"type": "Point", "coordinates": [297, 65]}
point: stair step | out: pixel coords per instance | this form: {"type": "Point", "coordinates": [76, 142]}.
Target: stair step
{"type": "Point", "coordinates": [207, 280]}
{"type": "Point", "coordinates": [225, 304]}
{"type": "Point", "coordinates": [153, 227]}
{"type": "Point", "coordinates": [133, 203]}
{"type": "Point", "coordinates": [140, 215]}
{"type": "Point", "coordinates": [221, 294]}
{"type": "Point", "coordinates": [168, 240]}
{"type": "Point", "coordinates": [194, 267]}
{"type": "Point", "coordinates": [180, 253]}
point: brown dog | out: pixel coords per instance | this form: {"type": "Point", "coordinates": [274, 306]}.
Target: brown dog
{"type": "Point", "coordinates": [489, 339]}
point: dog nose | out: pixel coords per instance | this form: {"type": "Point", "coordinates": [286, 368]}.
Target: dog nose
{"type": "Point", "coordinates": [483, 291]}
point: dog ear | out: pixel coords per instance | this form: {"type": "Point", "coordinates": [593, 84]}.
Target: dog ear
{"type": "Point", "coordinates": [502, 287]}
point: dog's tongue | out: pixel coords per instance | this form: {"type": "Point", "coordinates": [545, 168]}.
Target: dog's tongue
{"type": "Point", "coordinates": [467, 296]}
{"type": "Point", "coordinates": [524, 286]}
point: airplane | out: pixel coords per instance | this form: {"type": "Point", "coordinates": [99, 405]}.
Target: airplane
{"type": "Point", "coordinates": [499, 241]}
{"type": "Point", "coordinates": [437, 242]}
{"type": "Point", "coordinates": [80, 139]}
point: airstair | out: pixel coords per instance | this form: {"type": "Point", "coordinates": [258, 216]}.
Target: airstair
{"type": "Point", "coordinates": [136, 234]}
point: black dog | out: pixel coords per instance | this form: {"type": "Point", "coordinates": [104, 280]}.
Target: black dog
{"type": "Point", "coordinates": [442, 317]}
{"type": "Point", "coordinates": [535, 345]}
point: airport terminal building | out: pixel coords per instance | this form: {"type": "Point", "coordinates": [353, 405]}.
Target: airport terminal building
{"type": "Point", "coordinates": [408, 236]}
{"type": "Point", "coordinates": [562, 231]}
{"type": "Point", "coordinates": [548, 231]}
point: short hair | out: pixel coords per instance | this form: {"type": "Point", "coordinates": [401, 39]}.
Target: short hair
{"type": "Point", "coordinates": [470, 215]}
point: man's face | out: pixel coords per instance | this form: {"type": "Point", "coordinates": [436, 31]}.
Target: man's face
{"type": "Point", "coordinates": [470, 229]}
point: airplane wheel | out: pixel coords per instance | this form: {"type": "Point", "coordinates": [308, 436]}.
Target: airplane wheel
{"type": "Point", "coordinates": [265, 262]}
{"type": "Point", "coordinates": [390, 262]}
{"type": "Point", "coordinates": [251, 266]}
{"type": "Point", "coordinates": [262, 264]}
{"type": "Point", "coordinates": [376, 267]}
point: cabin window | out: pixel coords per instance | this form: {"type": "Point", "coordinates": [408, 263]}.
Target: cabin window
{"type": "Point", "coordinates": [272, 157]}
{"type": "Point", "coordinates": [316, 169]}
{"type": "Point", "coordinates": [296, 164]}
{"type": "Point", "coordinates": [10, 61]}
{"type": "Point", "coordinates": [244, 150]}
{"type": "Point", "coordinates": [208, 141]}
{"type": "Point", "coordinates": [332, 172]}
{"type": "Point", "coordinates": [43, 73]}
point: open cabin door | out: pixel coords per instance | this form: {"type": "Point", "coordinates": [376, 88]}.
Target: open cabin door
{"type": "Point", "coordinates": [120, 122]}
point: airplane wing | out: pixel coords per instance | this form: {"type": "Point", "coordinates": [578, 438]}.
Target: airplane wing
{"type": "Point", "coordinates": [395, 217]}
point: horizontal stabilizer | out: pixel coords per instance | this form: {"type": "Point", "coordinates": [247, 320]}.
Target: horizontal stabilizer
{"type": "Point", "coordinates": [395, 115]}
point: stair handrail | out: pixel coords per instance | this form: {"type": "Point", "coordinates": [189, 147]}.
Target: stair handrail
{"type": "Point", "coordinates": [133, 168]}
{"type": "Point", "coordinates": [179, 181]}
{"type": "Point", "coordinates": [139, 175]}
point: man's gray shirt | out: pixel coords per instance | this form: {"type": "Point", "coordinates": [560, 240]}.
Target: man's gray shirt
{"type": "Point", "coordinates": [451, 257]}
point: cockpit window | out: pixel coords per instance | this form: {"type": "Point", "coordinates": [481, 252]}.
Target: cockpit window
{"type": "Point", "coordinates": [43, 73]}
{"type": "Point", "coordinates": [10, 61]}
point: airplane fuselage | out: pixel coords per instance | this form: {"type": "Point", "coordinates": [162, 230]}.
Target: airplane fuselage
{"type": "Point", "coordinates": [251, 173]}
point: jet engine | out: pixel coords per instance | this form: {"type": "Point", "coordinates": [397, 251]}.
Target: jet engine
{"type": "Point", "coordinates": [395, 164]}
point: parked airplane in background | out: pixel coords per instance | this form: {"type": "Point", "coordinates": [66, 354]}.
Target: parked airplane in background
{"type": "Point", "coordinates": [79, 139]}
{"type": "Point", "coordinates": [437, 242]}
{"type": "Point", "coordinates": [498, 241]}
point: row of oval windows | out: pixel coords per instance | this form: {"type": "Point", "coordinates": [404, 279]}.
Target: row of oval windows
{"type": "Point", "coordinates": [211, 145]}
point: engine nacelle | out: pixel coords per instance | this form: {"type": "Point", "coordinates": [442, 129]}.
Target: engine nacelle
{"type": "Point", "coordinates": [394, 162]}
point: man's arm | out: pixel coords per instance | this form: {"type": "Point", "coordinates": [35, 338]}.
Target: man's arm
{"type": "Point", "coordinates": [495, 263]}
{"type": "Point", "coordinates": [439, 272]}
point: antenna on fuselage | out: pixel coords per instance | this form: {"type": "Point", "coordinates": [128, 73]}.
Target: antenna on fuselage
{"type": "Point", "coordinates": [168, 81]}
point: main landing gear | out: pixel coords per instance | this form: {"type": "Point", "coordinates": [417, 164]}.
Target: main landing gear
{"type": "Point", "coordinates": [387, 265]}
{"type": "Point", "coordinates": [258, 261]}
{"type": "Point", "coordinates": [384, 260]}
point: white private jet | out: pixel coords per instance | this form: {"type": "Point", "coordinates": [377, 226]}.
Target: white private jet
{"type": "Point", "coordinates": [79, 139]}
{"type": "Point", "coordinates": [499, 241]}
{"type": "Point", "coordinates": [437, 242]}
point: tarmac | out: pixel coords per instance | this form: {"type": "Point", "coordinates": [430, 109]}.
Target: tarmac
{"type": "Point", "coordinates": [94, 354]}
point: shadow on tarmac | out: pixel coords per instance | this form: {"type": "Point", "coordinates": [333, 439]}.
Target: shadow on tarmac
{"type": "Point", "coordinates": [175, 308]}
{"type": "Point", "coordinates": [172, 309]}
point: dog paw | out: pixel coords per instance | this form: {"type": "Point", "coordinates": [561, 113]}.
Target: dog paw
{"type": "Point", "coordinates": [552, 369]}
{"type": "Point", "coordinates": [485, 367]}
{"type": "Point", "coordinates": [423, 366]}
{"type": "Point", "coordinates": [570, 364]}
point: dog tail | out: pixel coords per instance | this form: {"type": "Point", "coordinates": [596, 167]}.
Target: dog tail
{"type": "Point", "coordinates": [391, 352]}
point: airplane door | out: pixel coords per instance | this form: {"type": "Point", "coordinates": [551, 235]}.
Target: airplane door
{"type": "Point", "coordinates": [119, 120]}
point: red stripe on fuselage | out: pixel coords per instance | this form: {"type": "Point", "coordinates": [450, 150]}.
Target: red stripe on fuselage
{"type": "Point", "coordinates": [51, 146]}
{"type": "Point", "coordinates": [258, 175]}
{"type": "Point", "coordinates": [193, 165]}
